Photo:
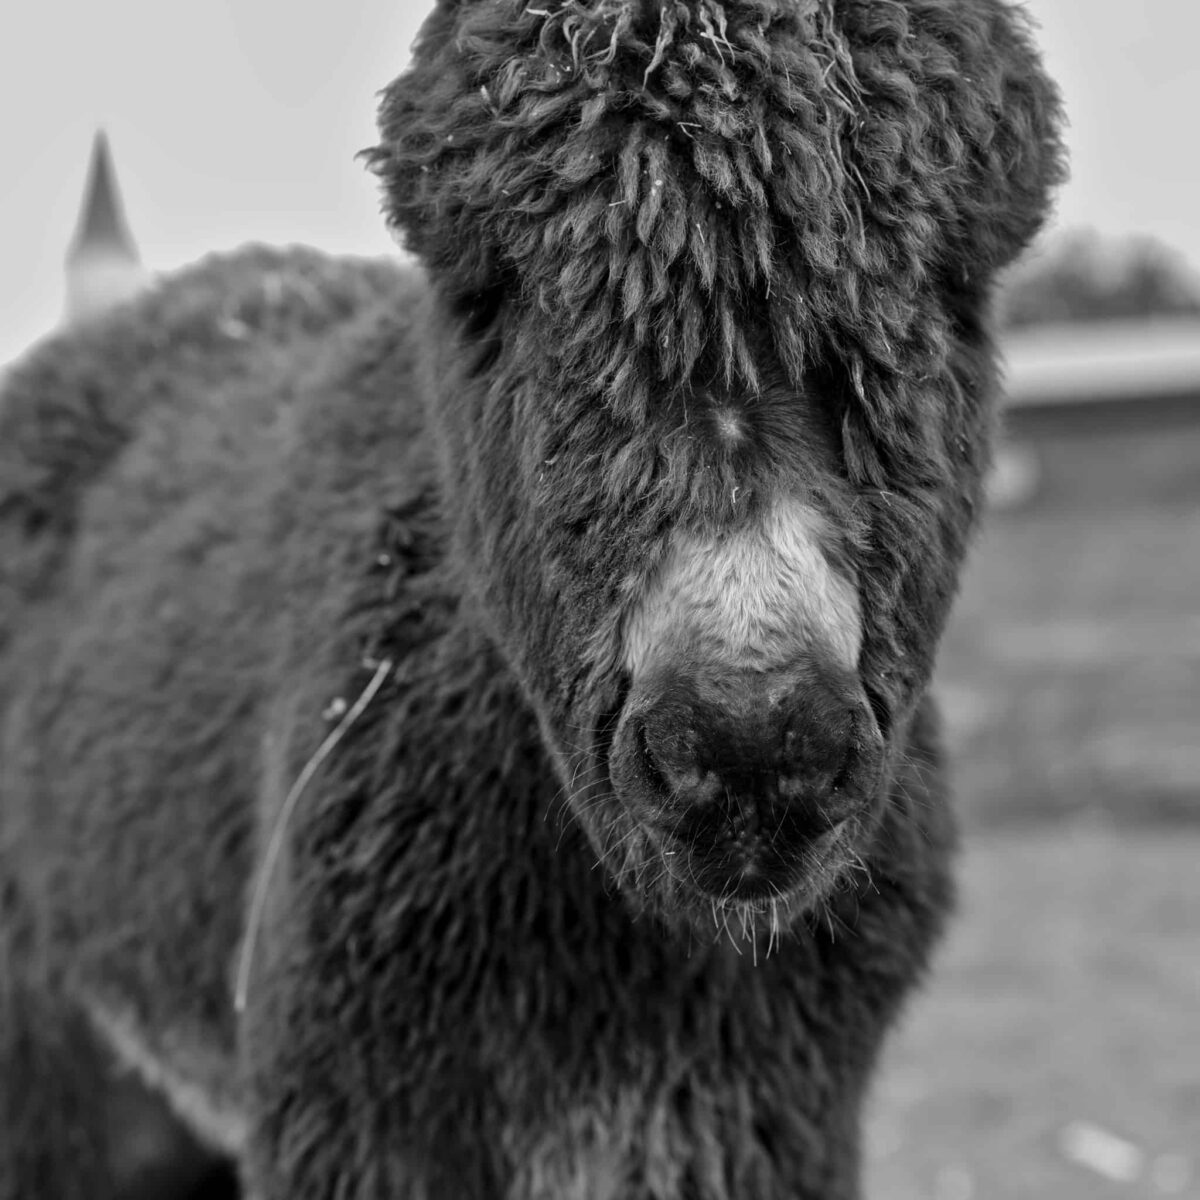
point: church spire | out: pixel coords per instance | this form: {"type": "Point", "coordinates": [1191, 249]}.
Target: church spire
{"type": "Point", "coordinates": [103, 265]}
{"type": "Point", "coordinates": [102, 225]}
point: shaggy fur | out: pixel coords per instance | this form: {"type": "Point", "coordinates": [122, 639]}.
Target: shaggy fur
{"type": "Point", "coordinates": [222, 508]}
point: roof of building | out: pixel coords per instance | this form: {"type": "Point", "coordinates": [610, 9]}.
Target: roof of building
{"type": "Point", "coordinates": [1103, 361]}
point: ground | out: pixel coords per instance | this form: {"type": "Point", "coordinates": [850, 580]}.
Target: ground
{"type": "Point", "coordinates": [1056, 1049]}
{"type": "Point", "coordinates": [1067, 999]}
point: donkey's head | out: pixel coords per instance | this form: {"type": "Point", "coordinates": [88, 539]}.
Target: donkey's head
{"type": "Point", "coordinates": [713, 395]}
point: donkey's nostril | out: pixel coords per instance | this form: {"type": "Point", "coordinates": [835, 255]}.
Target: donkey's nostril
{"type": "Point", "coordinates": [671, 758]}
{"type": "Point", "coordinates": [818, 748]}
{"type": "Point", "coordinates": [650, 764]}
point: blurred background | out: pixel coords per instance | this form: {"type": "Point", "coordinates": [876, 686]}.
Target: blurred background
{"type": "Point", "coordinates": [1056, 1050]}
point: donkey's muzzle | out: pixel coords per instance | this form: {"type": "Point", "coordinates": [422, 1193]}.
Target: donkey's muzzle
{"type": "Point", "coordinates": [747, 770]}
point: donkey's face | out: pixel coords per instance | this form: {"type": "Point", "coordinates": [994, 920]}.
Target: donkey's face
{"type": "Point", "coordinates": [681, 598]}
{"type": "Point", "coordinates": [712, 391]}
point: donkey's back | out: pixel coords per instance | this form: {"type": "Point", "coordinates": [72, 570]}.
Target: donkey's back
{"type": "Point", "coordinates": [161, 563]}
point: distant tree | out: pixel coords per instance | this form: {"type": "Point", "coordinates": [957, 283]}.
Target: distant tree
{"type": "Point", "coordinates": [1081, 276]}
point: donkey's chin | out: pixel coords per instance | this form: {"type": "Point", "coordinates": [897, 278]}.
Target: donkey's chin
{"type": "Point", "coordinates": [752, 890]}
{"type": "Point", "coordinates": [758, 872]}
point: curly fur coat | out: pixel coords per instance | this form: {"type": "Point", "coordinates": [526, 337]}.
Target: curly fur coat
{"type": "Point", "coordinates": [222, 508]}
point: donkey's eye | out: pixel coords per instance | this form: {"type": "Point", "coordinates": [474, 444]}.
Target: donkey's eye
{"type": "Point", "coordinates": [479, 316]}
{"type": "Point", "coordinates": [479, 310]}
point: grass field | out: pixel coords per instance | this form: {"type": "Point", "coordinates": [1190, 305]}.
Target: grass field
{"type": "Point", "coordinates": [1064, 1011]}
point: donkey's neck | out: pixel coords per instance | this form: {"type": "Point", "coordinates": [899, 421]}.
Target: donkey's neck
{"type": "Point", "coordinates": [461, 923]}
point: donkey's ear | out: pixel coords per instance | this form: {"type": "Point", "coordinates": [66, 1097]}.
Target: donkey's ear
{"type": "Point", "coordinates": [430, 119]}
{"type": "Point", "coordinates": [1013, 121]}
{"type": "Point", "coordinates": [960, 120]}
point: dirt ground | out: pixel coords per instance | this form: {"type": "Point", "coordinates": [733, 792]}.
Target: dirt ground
{"type": "Point", "coordinates": [1056, 1049]}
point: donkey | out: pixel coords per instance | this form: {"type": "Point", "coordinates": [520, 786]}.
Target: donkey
{"type": "Point", "coordinates": [465, 727]}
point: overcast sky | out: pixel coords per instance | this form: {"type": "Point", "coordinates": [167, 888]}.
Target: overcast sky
{"type": "Point", "coordinates": [233, 120]}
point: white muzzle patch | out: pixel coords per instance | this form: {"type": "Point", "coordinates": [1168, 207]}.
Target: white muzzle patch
{"type": "Point", "coordinates": [752, 597]}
